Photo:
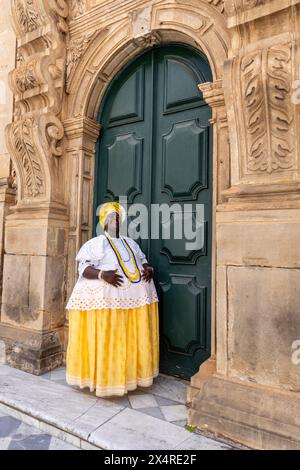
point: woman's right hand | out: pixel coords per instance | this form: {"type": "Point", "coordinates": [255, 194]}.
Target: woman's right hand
{"type": "Point", "coordinates": [112, 278]}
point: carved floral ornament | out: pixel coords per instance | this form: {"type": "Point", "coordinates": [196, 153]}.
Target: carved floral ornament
{"type": "Point", "coordinates": [25, 77]}
{"type": "Point", "coordinates": [21, 142]}
{"type": "Point", "coordinates": [76, 49]}
{"type": "Point", "coordinates": [267, 110]}
{"type": "Point", "coordinates": [148, 41]}
{"type": "Point", "coordinates": [29, 15]}
{"type": "Point", "coordinates": [25, 140]}
{"type": "Point", "coordinates": [38, 83]}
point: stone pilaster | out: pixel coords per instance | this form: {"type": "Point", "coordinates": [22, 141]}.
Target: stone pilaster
{"type": "Point", "coordinates": [213, 94]}
{"type": "Point", "coordinates": [82, 134]}
{"type": "Point", "coordinates": [258, 84]}
{"type": "Point", "coordinates": [32, 310]}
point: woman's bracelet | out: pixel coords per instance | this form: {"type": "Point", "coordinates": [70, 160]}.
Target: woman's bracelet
{"type": "Point", "coordinates": [100, 274]}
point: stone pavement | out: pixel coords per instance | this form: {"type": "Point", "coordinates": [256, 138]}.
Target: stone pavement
{"type": "Point", "coordinates": [149, 419]}
{"type": "Point", "coordinates": [16, 435]}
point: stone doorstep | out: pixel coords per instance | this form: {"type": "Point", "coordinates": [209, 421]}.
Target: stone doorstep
{"type": "Point", "coordinates": [88, 422]}
{"type": "Point", "coordinates": [84, 444]}
{"type": "Point", "coordinates": [42, 423]}
{"type": "Point", "coordinates": [48, 428]}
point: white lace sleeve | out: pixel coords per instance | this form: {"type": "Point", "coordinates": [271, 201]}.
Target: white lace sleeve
{"type": "Point", "coordinates": [90, 254]}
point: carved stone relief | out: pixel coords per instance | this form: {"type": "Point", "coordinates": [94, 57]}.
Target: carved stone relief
{"type": "Point", "coordinates": [38, 84]}
{"type": "Point", "coordinates": [267, 108]}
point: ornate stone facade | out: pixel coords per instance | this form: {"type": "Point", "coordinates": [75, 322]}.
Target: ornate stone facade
{"type": "Point", "coordinates": [67, 55]}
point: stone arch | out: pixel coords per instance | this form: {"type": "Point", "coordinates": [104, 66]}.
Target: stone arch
{"type": "Point", "coordinates": [110, 48]}
{"type": "Point", "coordinates": [95, 59]}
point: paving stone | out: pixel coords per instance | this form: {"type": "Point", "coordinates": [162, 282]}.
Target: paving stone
{"type": "Point", "coordinates": [97, 415]}
{"type": "Point", "coordinates": [25, 430]}
{"type": "Point", "coordinates": [132, 430]}
{"type": "Point", "coordinates": [165, 401]}
{"type": "Point", "coordinates": [46, 376]}
{"type": "Point", "coordinates": [196, 442]}
{"type": "Point", "coordinates": [61, 382]}
{"type": "Point", "coordinates": [8, 425]}
{"type": "Point", "coordinates": [174, 412]}
{"type": "Point", "coordinates": [57, 444]}
{"type": "Point", "coordinates": [35, 442]}
{"type": "Point", "coordinates": [4, 443]}
{"type": "Point", "coordinates": [58, 374]}
{"type": "Point", "coordinates": [142, 401]}
{"type": "Point", "coordinates": [120, 401]}
{"type": "Point", "coordinates": [182, 423]}
{"type": "Point", "coordinates": [77, 416]}
{"type": "Point", "coordinates": [168, 387]}
{"type": "Point", "coordinates": [156, 412]}
{"type": "Point", "coordinates": [27, 437]}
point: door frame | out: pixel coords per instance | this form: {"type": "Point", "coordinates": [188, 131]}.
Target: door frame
{"type": "Point", "coordinates": [213, 169]}
{"type": "Point", "coordinates": [82, 132]}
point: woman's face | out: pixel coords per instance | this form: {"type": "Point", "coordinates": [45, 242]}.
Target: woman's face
{"type": "Point", "coordinates": [113, 222]}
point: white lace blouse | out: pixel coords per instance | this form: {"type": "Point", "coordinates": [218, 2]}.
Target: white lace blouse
{"type": "Point", "coordinates": [90, 294]}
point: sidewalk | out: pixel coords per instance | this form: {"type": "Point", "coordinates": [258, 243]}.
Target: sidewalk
{"type": "Point", "coordinates": [148, 419]}
{"type": "Point", "coordinates": [16, 435]}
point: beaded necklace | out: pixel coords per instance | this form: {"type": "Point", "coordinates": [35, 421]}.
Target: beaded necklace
{"type": "Point", "coordinates": [132, 277]}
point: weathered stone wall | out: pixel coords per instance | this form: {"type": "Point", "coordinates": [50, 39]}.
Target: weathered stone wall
{"type": "Point", "coordinates": [257, 227]}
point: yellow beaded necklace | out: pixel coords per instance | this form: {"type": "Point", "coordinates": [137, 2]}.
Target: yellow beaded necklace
{"type": "Point", "coordinates": [132, 277]}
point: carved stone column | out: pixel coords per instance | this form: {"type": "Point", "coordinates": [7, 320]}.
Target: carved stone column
{"type": "Point", "coordinates": [32, 310]}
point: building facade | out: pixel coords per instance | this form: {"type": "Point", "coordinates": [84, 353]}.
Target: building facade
{"type": "Point", "coordinates": [228, 74]}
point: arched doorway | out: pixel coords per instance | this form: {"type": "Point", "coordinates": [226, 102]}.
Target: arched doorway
{"type": "Point", "coordinates": [156, 148]}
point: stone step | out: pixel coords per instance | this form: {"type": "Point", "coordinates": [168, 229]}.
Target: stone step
{"type": "Point", "coordinates": [147, 422]}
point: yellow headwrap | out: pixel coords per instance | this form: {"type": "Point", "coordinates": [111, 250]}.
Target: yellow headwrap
{"type": "Point", "coordinates": [108, 208]}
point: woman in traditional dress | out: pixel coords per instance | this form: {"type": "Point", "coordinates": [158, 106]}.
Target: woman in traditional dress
{"type": "Point", "coordinates": [113, 313]}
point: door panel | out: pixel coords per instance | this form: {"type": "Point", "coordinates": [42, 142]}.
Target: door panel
{"type": "Point", "coordinates": [184, 135]}
{"type": "Point", "coordinates": [180, 84]}
{"type": "Point", "coordinates": [125, 157]}
{"type": "Point", "coordinates": [182, 157]}
{"type": "Point", "coordinates": [124, 149]}
{"type": "Point", "coordinates": [128, 103]}
{"type": "Point", "coordinates": [156, 148]}
{"type": "Point", "coordinates": [185, 329]}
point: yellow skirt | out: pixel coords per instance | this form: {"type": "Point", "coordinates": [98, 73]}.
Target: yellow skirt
{"type": "Point", "coordinates": [113, 351]}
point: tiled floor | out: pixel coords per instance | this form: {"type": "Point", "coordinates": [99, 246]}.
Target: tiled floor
{"type": "Point", "coordinates": [15, 435]}
{"type": "Point", "coordinates": [170, 409]}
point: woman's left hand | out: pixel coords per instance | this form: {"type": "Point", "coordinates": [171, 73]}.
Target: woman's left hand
{"type": "Point", "coordinates": [147, 272]}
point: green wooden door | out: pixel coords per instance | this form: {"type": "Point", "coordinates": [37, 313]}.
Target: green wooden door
{"type": "Point", "coordinates": [156, 148]}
